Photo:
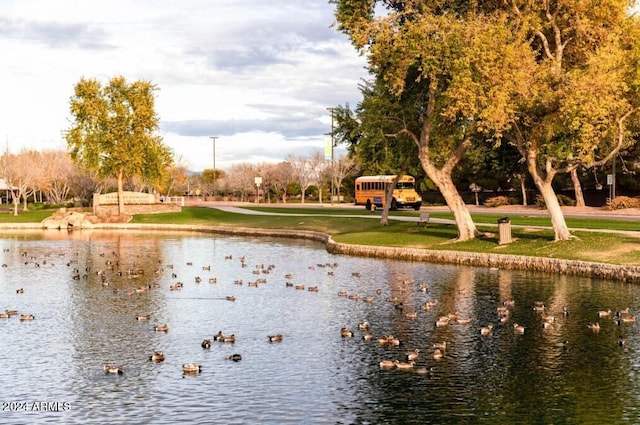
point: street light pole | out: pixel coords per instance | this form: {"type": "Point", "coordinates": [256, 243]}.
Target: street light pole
{"type": "Point", "coordinates": [332, 157]}
{"type": "Point", "coordinates": [214, 138]}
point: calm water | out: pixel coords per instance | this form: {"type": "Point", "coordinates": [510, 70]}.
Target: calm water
{"type": "Point", "coordinates": [563, 374]}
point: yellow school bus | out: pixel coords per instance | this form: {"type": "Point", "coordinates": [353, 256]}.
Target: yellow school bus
{"type": "Point", "coordinates": [370, 190]}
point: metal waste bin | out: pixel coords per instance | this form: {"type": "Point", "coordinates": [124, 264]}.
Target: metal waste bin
{"type": "Point", "coordinates": [504, 230]}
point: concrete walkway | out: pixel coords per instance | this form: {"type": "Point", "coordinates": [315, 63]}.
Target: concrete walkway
{"type": "Point", "coordinates": [240, 210]}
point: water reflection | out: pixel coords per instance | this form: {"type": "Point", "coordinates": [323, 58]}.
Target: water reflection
{"type": "Point", "coordinates": [86, 290]}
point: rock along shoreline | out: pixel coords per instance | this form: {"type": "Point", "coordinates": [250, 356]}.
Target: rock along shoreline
{"type": "Point", "coordinates": [502, 261]}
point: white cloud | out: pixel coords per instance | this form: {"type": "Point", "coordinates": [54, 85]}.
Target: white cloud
{"type": "Point", "coordinates": [258, 74]}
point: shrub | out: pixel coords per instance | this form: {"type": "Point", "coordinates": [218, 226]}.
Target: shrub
{"type": "Point", "coordinates": [563, 200]}
{"type": "Point", "coordinates": [622, 202]}
{"type": "Point", "coordinates": [497, 201]}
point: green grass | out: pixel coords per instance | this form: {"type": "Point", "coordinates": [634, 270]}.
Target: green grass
{"type": "Point", "coordinates": [31, 216]}
{"type": "Point", "coordinates": [591, 246]}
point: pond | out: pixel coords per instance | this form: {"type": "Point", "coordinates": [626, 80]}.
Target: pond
{"type": "Point", "coordinates": [86, 290]}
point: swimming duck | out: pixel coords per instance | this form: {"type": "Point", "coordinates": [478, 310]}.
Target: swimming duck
{"type": "Point", "coordinates": [413, 355]}
{"type": "Point", "coordinates": [438, 354]}
{"type": "Point", "coordinates": [161, 328]}
{"type": "Point", "coordinates": [604, 313]}
{"type": "Point", "coordinates": [231, 298]}
{"type": "Point", "coordinates": [191, 368]}
{"type": "Point", "coordinates": [143, 317]}
{"type": "Point", "coordinates": [387, 364]}
{"type": "Point", "coordinates": [363, 326]}
{"type": "Point", "coordinates": [4, 315]}
{"type": "Point", "coordinates": [369, 299]}
{"type": "Point", "coordinates": [230, 339]}
{"type": "Point", "coordinates": [20, 291]}
{"type": "Point", "coordinates": [367, 336]}
{"type": "Point", "coordinates": [275, 338]}
{"type": "Point", "coordinates": [519, 329]}
{"type": "Point", "coordinates": [218, 336]}
{"type": "Point", "coordinates": [235, 357]}
{"type": "Point", "coordinates": [157, 356]}
{"type": "Point", "coordinates": [594, 326]}
{"type": "Point", "coordinates": [440, 345]}
{"type": "Point", "coordinates": [346, 333]}
{"type": "Point", "coordinates": [206, 343]}
{"type": "Point", "coordinates": [113, 369]}
{"type": "Point", "coordinates": [621, 341]}
{"type": "Point", "coordinates": [24, 317]}
{"type": "Point", "coordinates": [486, 330]}
{"type": "Point", "coordinates": [404, 365]}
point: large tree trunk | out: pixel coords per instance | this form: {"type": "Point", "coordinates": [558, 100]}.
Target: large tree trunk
{"type": "Point", "coordinates": [577, 188]}
{"type": "Point", "coordinates": [120, 192]}
{"type": "Point", "coordinates": [442, 179]}
{"type": "Point", "coordinates": [558, 223]}
{"type": "Point", "coordinates": [388, 196]}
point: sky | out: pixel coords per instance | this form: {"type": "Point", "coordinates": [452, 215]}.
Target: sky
{"type": "Point", "coordinates": [257, 74]}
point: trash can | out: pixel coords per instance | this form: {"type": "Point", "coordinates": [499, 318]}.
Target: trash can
{"type": "Point", "coordinates": [504, 231]}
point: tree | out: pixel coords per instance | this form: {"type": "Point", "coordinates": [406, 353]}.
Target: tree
{"type": "Point", "coordinates": [319, 167]}
{"type": "Point", "coordinates": [302, 172]}
{"type": "Point", "coordinates": [113, 131]}
{"type": "Point", "coordinates": [441, 80]}
{"type": "Point", "coordinates": [343, 167]}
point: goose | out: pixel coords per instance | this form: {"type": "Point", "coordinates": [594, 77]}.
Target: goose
{"type": "Point", "coordinates": [157, 356]}
{"type": "Point", "coordinates": [218, 336]}
{"type": "Point", "coordinates": [191, 368]}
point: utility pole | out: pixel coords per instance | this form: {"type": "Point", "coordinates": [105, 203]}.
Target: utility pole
{"type": "Point", "coordinates": [332, 157]}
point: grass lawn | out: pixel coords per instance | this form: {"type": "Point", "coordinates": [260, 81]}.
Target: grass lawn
{"type": "Point", "coordinates": [614, 248]}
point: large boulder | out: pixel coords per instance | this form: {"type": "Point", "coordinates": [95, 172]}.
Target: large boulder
{"type": "Point", "coordinates": [67, 220]}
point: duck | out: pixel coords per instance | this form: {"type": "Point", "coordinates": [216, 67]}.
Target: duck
{"type": "Point", "coordinates": [275, 338]}
{"type": "Point", "coordinates": [191, 368]}
{"type": "Point", "coordinates": [230, 298]}
{"type": "Point", "coordinates": [367, 336]}
{"type": "Point", "coordinates": [411, 314]}
{"type": "Point", "coordinates": [363, 326]}
{"type": "Point", "coordinates": [369, 299]}
{"type": "Point", "coordinates": [621, 341]}
{"type": "Point", "coordinates": [234, 357]}
{"type": "Point", "coordinates": [594, 326]}
{"type": "Point", "coordinates": [404, 365]}
{"type": "Point", "coordinates": [161, 328]}
{"type": "Point", "coordinates": [206, 343]}
{"type": "Point", "coordinates": [113, 369]}
{"type": "Point", "coordinates": [387, 364]}
{"type": "Point", "coordinates": [463, 321]}
{"type": "Point", "coordinates": [438, 354]}
{"type": "Point", "coordinates": [604, 313]}
{"type": "Point", "coordinates": [440, 345]}
{"type": "Point", "coordinates": [519, 329]}
{"type": "Point", "coordinates": [24, 317]}
{"type": "Point", "coordinates": [312, 289]}
{"type": "Point", "coordinates": [20, 291]}
{"type": "Point", "coordinates": [346, 333]}
{"type": "Point", "coordinates": [157, 356]}
{"type": "Point", "coordinates": [229, 339]}
{"type": "Point", "coordinates": [486, 330]}
{"type": "Point", "coordinates": [413, 355]}
{"type": "Point", "coordinates": [143, 317]}
{"type": "Point", "coordinates": [4, 315]}
{"type": "Point", "coordinates": [630, 319]}
{"type": "Point", "coordinates": [218, 336]}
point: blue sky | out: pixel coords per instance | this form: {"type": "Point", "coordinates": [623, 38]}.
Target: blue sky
{"type": "Point", "coordinates": [258, 74]}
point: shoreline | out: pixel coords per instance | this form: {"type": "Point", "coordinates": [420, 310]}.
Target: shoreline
{"type": "Point", "coordinates": [487, 260]}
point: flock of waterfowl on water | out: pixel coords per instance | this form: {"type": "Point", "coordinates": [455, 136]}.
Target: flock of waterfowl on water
{"type": "Point", "coordinates": [413, 359]}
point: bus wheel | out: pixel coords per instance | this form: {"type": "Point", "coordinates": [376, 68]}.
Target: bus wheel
{"type": "Point", "coordinates": [417, 207]}
{"type": "Point", "coordinates": [394, 205]}
{"type": "Point", "coordinates": [367, 206]}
